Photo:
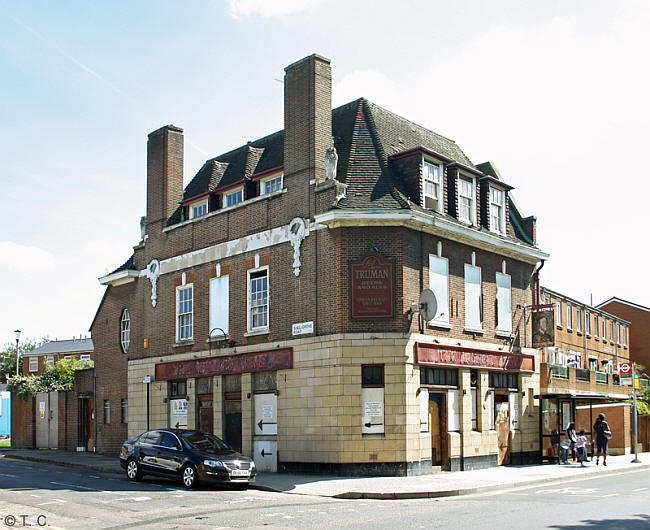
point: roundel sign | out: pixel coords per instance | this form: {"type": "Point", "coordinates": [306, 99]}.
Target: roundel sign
{"type": "Point", "coordinates": [625, 368]}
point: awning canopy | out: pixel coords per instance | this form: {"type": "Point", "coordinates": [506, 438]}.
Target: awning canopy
{"type": "Point", "coordinates": [595, 396]}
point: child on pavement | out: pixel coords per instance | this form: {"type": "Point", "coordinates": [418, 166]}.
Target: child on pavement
{"type": "Point", "coordinates": [581, 447]}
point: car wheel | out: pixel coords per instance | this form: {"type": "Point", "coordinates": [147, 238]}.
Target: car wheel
{"type": "Point", "coordinates": [189, 477]}
{"type": "Point", "coordinates": [133, 470]}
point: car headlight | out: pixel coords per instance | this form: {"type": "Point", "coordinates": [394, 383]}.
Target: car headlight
{"type": "Point", "coordinates": [213, 463]}
{"type": "Point", "coordinates": [252, 464]}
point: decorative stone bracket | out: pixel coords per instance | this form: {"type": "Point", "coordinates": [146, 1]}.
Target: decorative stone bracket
{"type": "Point", "coordinates": [298, 229]}
{"type": "Point", "coordinates": [152, 272]}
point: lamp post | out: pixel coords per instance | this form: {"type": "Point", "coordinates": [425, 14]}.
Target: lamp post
{"type": "Point", "coordinates": [17, 336]}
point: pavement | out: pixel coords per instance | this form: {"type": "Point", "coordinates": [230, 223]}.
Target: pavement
{"type": "Point", "coordinates": [443, 484]}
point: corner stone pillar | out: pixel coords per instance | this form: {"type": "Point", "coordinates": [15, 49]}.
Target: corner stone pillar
{"type": "Point", "coordinates": [192, 403]}
{"type": "Point", "coordinates": [247, 414]}
{"type": "Point", "coordinates": [217, 406]}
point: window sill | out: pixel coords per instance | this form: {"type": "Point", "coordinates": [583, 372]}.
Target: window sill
{"type": "Point", "coordinates": [257, 332]}
{"type": "Point", "coordinates": [579, 333]}
{"type": "Point", "coordinates": [180, 344]}
{"type": "Point", "coordinates": [558, 326]}
{"type": "Point", "coordinates": [439, 325]}
{"type": "Point", "coordinates": [475, 331]}
{"type": "Point", "coordinates": [504, 334]}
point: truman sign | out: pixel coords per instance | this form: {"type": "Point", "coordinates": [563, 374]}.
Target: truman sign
{"type": "Point", "coordinates": [372, 291]}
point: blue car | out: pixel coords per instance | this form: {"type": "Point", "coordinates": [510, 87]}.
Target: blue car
{"type": "Point", "coordinates": [194, 457]}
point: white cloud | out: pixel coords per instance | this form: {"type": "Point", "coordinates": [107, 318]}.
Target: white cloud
{"type": "Point", "coordinates": [269, 8]}
{"type": "Point", "coordinates": [24, 257]}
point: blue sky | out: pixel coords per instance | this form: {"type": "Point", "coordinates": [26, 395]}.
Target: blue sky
{"type": "Point", "coordinates": [554, 93]}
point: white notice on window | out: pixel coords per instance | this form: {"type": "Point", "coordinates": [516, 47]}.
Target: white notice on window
{"type": "Point", "coordinates": [267, 412]}
{"type": "Point", "coordinates": [41, 408]}
{"type": "Point", "coordinates": [373, 408]}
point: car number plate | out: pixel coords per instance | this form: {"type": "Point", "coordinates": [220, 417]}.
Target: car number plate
{"type": "Point", "coordinates": [239, 473]}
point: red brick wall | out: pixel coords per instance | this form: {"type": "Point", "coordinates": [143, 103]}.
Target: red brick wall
{"type": "Point", "coordinates": [23, 428]}
{"type": "Point", "coordinates": [639, 334]}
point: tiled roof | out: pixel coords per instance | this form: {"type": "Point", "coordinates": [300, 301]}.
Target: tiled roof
{"type": "Point", "coordinates": [64, 346]}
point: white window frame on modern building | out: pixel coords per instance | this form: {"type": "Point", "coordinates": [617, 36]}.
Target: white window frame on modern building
{"type": "Point", "coordinates": [558, 313]}
{"type": "Point", "coordinates": [578, 319]}
{"type": "Point", "coordinates": [596, 324]}
{"type": "Point", "coordinates": [233, 197]}
{"type": "Point", "coordinates": [439, 284]}
{"type": "Point", "coordinates": [625, 336]}
{"type": "Point", "coordinates": [497, 210]}
{"type": "Point", "coordinates": [33, 364]}
{"type": "Point", "coordinates": [432, 186]}
{"type": "Point", "coordinates": [258, 302]}
{"type": "Point", "coordinates": [84, 357]}
{"type": "Point", "coordinates": [198, 209]}
{"type": "Point", "coordinates": [504, 303]}
{"type": "Point", "coordinates": [49, 360]}
{"type": "Point", "coordinates": [569, 316]}
{"type": "Point", "coordinates": [219, 305]}
{"type": "Point", "coordinates": [609, 366]}
{"type": "Point", "coordinates": [125, 330]}
{"type": "Point", "coordinates": [604, 330]}
{"type": "Point", "coordinates": [611, 331]}
{"type": "Point", "coordinates": [587, 323]}
{"type": "Point", "coordinates": [593, 363]}
{"type": "Point", "coordinates": [618, 333]}
{"type": "Point", "coordinates": [271, 184]}
{"type": "Point", "coordinates": [465, 200]}
{"type": "Point", "coordinates": [473, 298]}
{"type": "Point", "coordinates": [184, 314]}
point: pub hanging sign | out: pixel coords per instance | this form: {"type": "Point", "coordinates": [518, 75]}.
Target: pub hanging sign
{"type": "Point", "coordinates": [372, 292]}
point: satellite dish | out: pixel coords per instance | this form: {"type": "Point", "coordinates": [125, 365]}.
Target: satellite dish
{"type": "Point", "coordinates": [428, 305]}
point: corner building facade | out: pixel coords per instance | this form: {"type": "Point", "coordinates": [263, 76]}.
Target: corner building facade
{"type": "Point", "coordinates": [277, 301]}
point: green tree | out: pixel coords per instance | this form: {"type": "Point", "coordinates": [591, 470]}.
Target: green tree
{"type": "Point", "coordinates": [58, 377]}
{"type": "Point", "coordinates": [643, 401]}
{"type": "Point", "coordinates": [8, 356]}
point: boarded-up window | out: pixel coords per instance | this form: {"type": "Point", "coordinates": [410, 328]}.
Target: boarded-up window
{"type": "Point", "coordinates": [219, 306]}
{"type": "Point", "coordinates": [453, 411]}
{"type": "Point", "coordinates": [490, 408]}
{"type": "Point", "coordinates": [514, 410]}
{"type": "Point", "coordinates": [372, 399]}
{"type": "Point", "coordinates": [473, 319]}
{"type": "Point", "coordinates": [265, 381]}
{"type": "Point", "coordinates": [424, 410]}
{"type": "Point", "coordinates": [474, 409]}
{"type": "Point", "coordinates": [504, 303]}
{"type": "Point", "coordinates": [439, 284]}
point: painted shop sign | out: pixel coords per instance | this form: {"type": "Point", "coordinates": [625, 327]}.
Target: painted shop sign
{"type": "Point", "coordinates": [228, 364]}
{"type": "Point", "coordinates": [372, 292]}
{"type": "Point", "coordinates": [434, 354]}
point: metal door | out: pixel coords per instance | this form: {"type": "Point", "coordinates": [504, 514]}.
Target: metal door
{"type": "Point", "coordinates": [265, 455]}
{"type": "Point", "coordinates": [54, 420]}
{"type": "Point", "coordinates": [233, 431]}
{"type": "Point", "coordinates": [42, 420]}
{"type": "Point", "coordinates": [83, 424]}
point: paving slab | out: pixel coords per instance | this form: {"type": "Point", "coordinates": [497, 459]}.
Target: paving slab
{"type": "Point", "coordinates": [444, 484]}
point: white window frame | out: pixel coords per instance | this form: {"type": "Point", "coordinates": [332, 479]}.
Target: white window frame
{"type": "Point", "coordinates": [249, 302]}
{"type": "Point", "coordinates": [439, 284]}
{"type": "Point", "coordinates": [434, 178]}
{"type": "Point", "coordinates": [500, 227]}
{"type": "Point", "coordinates": [473, 307]}
{"type": "Point", "coordinates": [625, 336]}
{"type": "Point", "coordinates": [604, 330]}
{"type": "Point", "coordinates": [587, 323]}
{"type": "Point", "coordinates": [569, 316]}
{"type": "Point", "coordinates": [271, 184]}
{"type": "Point", "coordinates": [182, 336]}
{"type": "Point", "coordinates": [233, 193]}
{"type": "Point", "coordinates": [472, 200]}
{"type": "Point", "coordinates": [558, 313]}
{"type": "Point", "coordinates": [611, 331]}
{"type": "Point", "coordinates": [84, 357]}
{"type": "Point", "coordinates": [504, 302]}
{"type": "Point", "coordinates": [33, 360]}
{"type": "Point", "coordinates": [618, 333]}
{"type": "Point", "coordinates": [125, 330]}
{"type": "Point", "coordinates": [609, 366]}
{"type": "Point", "coordinates": [49, 360]}
{"type": "Point", "coordinates": [593, 363]}
{"type": "Point", "coordinates": [596, 324]}
{"type": "Point", "coordinates": [579, 319]}
{"type": "Point", "coordinates": [198, 209]}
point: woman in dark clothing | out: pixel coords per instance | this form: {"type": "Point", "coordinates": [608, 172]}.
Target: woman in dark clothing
{"type": "Point", "coordinates": [573, 438]}
{"type": "Point", "coordinates": [600, 428]}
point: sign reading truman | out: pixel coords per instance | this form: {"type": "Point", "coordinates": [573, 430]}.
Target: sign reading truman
{"type": "Point", "coordinates": [543, 329]}
{"type": "Point", "coordinates": [371, 287]}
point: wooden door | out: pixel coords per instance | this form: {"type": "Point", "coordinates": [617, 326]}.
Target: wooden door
{"type": "Point", "coordinates": [503, 428]}
{"type": "Point", "coordinates": [438, 428]}
{"type": "Point", "coordinates": [206, 416]}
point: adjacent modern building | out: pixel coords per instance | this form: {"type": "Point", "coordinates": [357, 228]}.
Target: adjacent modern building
{"type": "Point", "coordinates": [284, 299]}
{"type": "Point", "coordinates": [579, 370]}
{"type": "Point", "coordinates": [35, 361]}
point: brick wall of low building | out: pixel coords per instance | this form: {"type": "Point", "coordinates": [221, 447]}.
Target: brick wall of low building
{"type": "Point", "coordinates": [639, 334]}
{"type": "Point", "coordinates": [23, 428]}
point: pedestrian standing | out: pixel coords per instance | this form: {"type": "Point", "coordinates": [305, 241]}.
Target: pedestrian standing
{"type": "Point", "coordinates": [581, 447]}
{"type": "Point", "coordinates": [603, 434]}
{"type": "Point", "coordinates": [572, 436]}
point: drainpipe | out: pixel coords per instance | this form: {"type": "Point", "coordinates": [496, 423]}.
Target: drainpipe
{"type": "Point", "coordinates": [536, 280]}
{"type": "Point", "coordinates": [95, 410]}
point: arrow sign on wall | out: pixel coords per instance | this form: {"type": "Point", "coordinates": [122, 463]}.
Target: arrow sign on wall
{"type": "Point", "coordinates": [370, 424]}
{"type": "Point", "coordinates": [265, 454]}
{"type": "Point", "coordinates": [262, 422]}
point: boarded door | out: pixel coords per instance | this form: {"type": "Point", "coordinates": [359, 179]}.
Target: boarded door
{"type": "Point", "coordinates": [265, 451]}
{"type": "Point", "coordinates": [438, 426]}
{"type": "Point", "coordinates": [503, 429]}
{"type": "Point", "coordinates": [233, 423]}
{"type": "Point", "coordinates": [206, 416]}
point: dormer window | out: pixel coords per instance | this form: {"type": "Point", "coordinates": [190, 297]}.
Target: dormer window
{"type": "Point", "coordinates": [271, 184]}
{"type": "Point", "coordinates": [431, 186]}
{"type": "Point", "coordinates": [497, 210]}
{"type": "Point", "coordinates": [198, 209]}
{"type": "Point", "coordinates": [466, 199]}
{"type": "Point", "coordinates": [235, 196]}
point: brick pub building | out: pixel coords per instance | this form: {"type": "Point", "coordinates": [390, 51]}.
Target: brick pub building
{"type": "Point", "coordinates": [275, 300]}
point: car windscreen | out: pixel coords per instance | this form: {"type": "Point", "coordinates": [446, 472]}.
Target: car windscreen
{"type": "Point", "coordinates": [205, 441]}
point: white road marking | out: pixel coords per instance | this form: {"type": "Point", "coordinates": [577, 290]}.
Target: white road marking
{"type": "Point", "coordinates": [610, 495]}
{"type": "Point", "coordinates": [8, 475]}
{"type": "Point", "coordinates": [93, 476]}
{"type": "Point", "coordinates": [275, 514]}
{"type": "Point", "coordinates": [55, 501]}
{"type": "Point", "coordinates": [640, 489]}
{"type": "Point", "coordinates": [74, 486]}
{"type": "Point", "coordinates": [140, 499]}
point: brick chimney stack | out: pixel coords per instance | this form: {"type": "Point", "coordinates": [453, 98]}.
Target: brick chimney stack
{"type": "Point", "coordinates": [307, 116]}
{"type": "Point", "coordinates": [164, 172]}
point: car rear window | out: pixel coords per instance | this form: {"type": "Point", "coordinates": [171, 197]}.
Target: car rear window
{"type": "Point", "coordinates": [152, 438]}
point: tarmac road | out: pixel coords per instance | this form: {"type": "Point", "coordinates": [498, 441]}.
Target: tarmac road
{"type": "Point", "coordinates": [75, 499]}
